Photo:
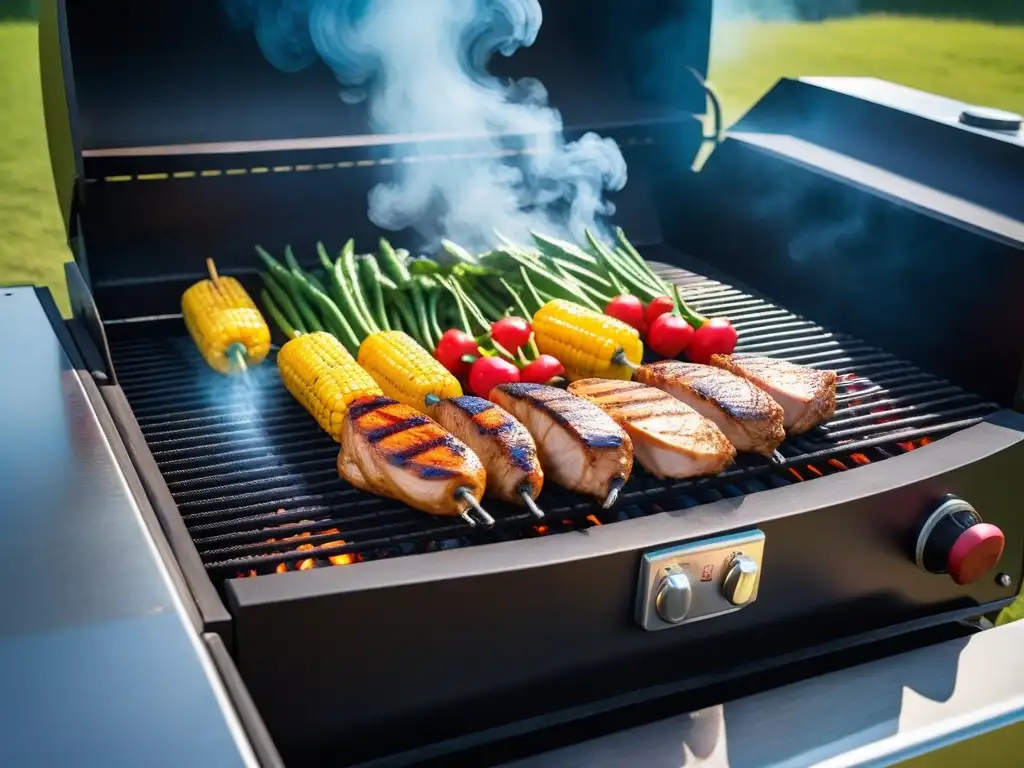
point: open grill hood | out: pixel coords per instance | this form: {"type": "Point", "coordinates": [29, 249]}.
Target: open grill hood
{"type": "Point", "coordinates": [186, 141]}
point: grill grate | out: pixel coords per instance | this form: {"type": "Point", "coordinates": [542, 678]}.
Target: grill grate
{"type": "Point", "coordinates": [254, 477]}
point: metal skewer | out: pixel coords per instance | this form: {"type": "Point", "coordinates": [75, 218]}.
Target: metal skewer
{"type": "Point", "coordinates": [470, 499]}
{"type": "Point", "coordinates": [530, 503]}
{"type": "Point", "coordinates": [619, 358]}
{"type": "Point", "coordinates": [613, 492]}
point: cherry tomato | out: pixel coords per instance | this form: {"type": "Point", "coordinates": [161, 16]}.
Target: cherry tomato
{"type": "Point", "coordinates": [628, 309]}
{"type": "Point", "coordinates": [542, 370]}
{"type": "Point", "coordinates": [489, 372]}
{"type": "Point", "coordinates": [511, 332]}
{"type": "Point", "coordinates": [658, 307]}
{"type": "Point", "coordinates": [452, 347]}
{"type": "Point", "coordinates": [715, 337]}
{"type": "Point", "coordinates": [669, 335]}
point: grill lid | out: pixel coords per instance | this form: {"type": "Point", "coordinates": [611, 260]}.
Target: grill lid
{"type": "Point", "coordinates": [180, 91]}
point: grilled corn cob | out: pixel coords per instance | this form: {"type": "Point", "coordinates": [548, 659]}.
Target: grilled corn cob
{"type": "Point", "coordinates": [586, 341]}
{"type": "Point", "coordinates": [224, 323]}
{"type": "Point", "coordinates": [404, 370]}
{"type": "Point", "coordinates": [324, 377]}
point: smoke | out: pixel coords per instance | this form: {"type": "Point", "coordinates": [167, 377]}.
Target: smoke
{"type": "Point", "coordinates": [421, 68]}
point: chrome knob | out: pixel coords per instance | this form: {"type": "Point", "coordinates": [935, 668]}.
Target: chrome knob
{"type": "Point", "coordinates": [674, 598]}
{"type": "Point", "coordinates": [740, 580]}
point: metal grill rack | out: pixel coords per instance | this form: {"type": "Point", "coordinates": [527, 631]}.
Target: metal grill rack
{"type": "Point", "coordinates": [255, 480]}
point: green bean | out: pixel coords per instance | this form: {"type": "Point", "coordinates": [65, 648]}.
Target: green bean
{"type": "Point", "coordinates": [553, 284]}
{"type": "Point", "coordinates": [531, 290]}
{"type": "Point", "coordinates": [298, 284]}
{"type": "Point", "coordinates": [607, 257]}
{"type": "Point", "coordinates": [332, 285]}
{"type": "Point", "coordinates": [276, 315]}
{"type": "Point", "coordinates": [487, 307]}
{"type": "Point", "coordinates": [347, 303]}
{"type": "Point", "coordinates": [583, 275]}
{"type": "Point", "coordinates": [283, 300]}
{"type": "Point", "coordinates": [457, 252]}
{"type": "Point", "coordinates": [593, 293]}
{"type": "Point", "coordinates": [631, 256]}
{"type": "Point", "coordinates": [435, 324]}
{"type": "Point", "coordinates": [564, 251]}
{"type": "Point", "coordinates": [463, 317]}
{"type": "Point", "coordinates": [338, 322]}
{"type": "Point", "coordinates": [394, 318]}
{"type": "Point", "coordinates": [349, 269]}
{"type": "Point", "coordinates": [369, 272]}
{"type": "Point", "coordinates": [516, 299]}
{"type": "Point", "coordinates": [392, 264]}
{"type": "Point", "coordinates": [406, 312]}
{"type": "Point", "coordinates": [276, 268]}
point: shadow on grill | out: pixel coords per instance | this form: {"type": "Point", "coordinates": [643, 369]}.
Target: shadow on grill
{"type": "Point", "coordinates": [256, 483]}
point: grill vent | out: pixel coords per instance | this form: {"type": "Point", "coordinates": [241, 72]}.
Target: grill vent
{"type": "Point", "coordinates": [255, 481]}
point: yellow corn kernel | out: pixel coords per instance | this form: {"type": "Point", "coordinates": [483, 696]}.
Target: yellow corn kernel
{"type": "Point", "coordinates": [405, 370]}
{"type": "Point", "coordinates": [225, 324]}
{"type": "Point", "coordinates": [324, 377]}
{"type": "Point", "coordinates": [586, 341]}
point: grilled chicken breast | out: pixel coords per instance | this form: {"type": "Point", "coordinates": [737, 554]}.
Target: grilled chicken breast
{"type": "Point", "coordinates": [503, 444]}
{"type": "Point", "coordinates": [581, 448]}
{"type": "Point", "coordinates": [393, 450]}
{"type": "Point", "coordinates": [670, 439]}
{"type": "Point", "coordinates": [747, 415]}
{"type": "Point", "coordinates": [807, 395]}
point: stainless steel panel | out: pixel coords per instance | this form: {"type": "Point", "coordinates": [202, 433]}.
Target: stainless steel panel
{"type": "Point", "coordinates": [99, 663]}
{"type": "Point", "coordinates": [706, 570]}
{"type": "Point", "coordinates": [876, 714]}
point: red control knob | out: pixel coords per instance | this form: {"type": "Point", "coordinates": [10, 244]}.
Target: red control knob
{"type": "Point", "coordinates": [955, 540]}
{"type": "Point", "coordinates": [975, 552]}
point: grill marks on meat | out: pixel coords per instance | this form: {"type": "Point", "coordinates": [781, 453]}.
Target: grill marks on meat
{"type": "Point", "coordinates": [395, 451]}
{"type": "Point", "coordinates": [580, 446]}
{"type": "Point", "coordinates": [807, 395]}
{"type": "Point", "coordinates": [746, 414]}
{"type": "Point", "coordinates": [670, 439]}
{"type": "Point", "coordinates": [503, 444]}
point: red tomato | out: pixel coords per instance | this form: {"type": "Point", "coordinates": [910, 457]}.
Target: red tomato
{"type": "Point", "coordinates": [489, 372]}
{"type": "Point", "coordinates": [542, 370]}
{"type": "Point", "coordinates": [511, 333]}
{"type": "Point", "coordinates": [452, 347]}
{"type": "Point", "coordinates": [669, 335]}
{"type": "Point", "coordinates": [628, 309]}
{"type": "Point", "coordinates": [715, 337]}
{"type": "Point", "coordinates": [658, 307]}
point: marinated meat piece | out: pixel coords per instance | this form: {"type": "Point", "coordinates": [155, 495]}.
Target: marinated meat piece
{"type": "Point", "coordinates": [807, 395]}
{"type": "Point", "coordinates": [670, 439]}
{"type": "Point", "coordinates": [580, 446]}
{"type": "Point", "coordinates": [395, 451]}
{"type": "Point", "coordinates": [504, 446]}
{"type": "Point", "coordinates": [747, 415]}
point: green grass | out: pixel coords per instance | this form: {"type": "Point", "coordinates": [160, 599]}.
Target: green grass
{"type": "Point", "coordinates": [32, 247]}
{"type": "Point", "coordinates": [966, 60]}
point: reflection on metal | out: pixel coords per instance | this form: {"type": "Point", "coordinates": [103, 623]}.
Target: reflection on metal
{"type": "Point", "coordinates": [93, 635]}
{"type": "Point", "coordinates": [955, 703]}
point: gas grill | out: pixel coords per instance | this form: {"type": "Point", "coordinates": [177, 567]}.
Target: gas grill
{"type": "Point", "coordinates": [366, 631]}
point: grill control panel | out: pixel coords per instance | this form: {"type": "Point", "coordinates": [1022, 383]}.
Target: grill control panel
{"type": "Point", "coordinates": [699, 580]}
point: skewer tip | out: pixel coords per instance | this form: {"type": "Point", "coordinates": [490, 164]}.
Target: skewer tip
{"type": "Point", "coordinates": [432, 399]}
{"type": "Point", "coordinates": [530, 503]}
{"type": "Point", "coordinates": [613, 492]}
{"type": "Point", "coordinates": [211, 267]}
{"type": "Point", "coordinates": [619, 358]}
{"type": "Point", "coordinates": [470, 499]}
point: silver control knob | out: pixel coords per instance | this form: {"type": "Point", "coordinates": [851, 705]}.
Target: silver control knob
{"type": "Point", "coordinates": [740, 580]}
{"type": "Point", "coordinates": [674, 598]}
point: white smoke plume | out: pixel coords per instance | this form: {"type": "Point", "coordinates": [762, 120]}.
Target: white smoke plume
{"type": "Point", "coordinates": [421, 67]}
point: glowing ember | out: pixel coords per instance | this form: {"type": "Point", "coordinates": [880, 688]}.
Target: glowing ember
{"type": "Point", "coordinates": [836, 464]}
{"type": "Point", "coordinates": [541, 529]}
{"type": "Point", "coordinates": [309, 563]}
{"type": "Point", "coordinates": [911, 445]}
{"type": "Point", "coordinates": [796, 474]}
{"type": "Point", "coordinates": [815, 471]}
{"type": "Point", "coordinates": [593, 519]}
{"type": "Point", "coordinates": [860, 458]}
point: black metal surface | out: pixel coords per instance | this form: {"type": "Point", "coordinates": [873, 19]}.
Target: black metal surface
{"type": "Point", "coordinates": [913, 243]}
{"type": "Point", "coordinates": [177, 72]}
{"type": "Point", "coordinates": [248, 468]}
{"type": "Point", "coordinates": [103, 616]}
